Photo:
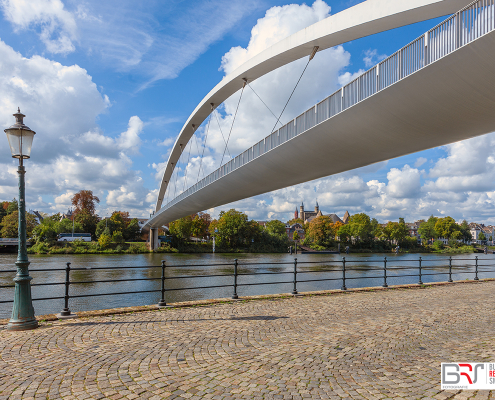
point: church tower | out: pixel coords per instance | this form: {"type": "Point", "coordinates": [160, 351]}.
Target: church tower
{"type": "Point", "coordinates": [317, 207]}
{"type": "Point", "coordinates": [296, 214]}
{"type": "Point", "coordinates": [301, 211]}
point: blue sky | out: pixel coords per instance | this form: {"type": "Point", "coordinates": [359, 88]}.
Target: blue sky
{"type": "Point", "coordinates": [108, 85]}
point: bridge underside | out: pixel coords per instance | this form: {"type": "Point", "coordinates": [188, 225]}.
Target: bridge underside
{"type": "Point", "coordinates": [450, 100]}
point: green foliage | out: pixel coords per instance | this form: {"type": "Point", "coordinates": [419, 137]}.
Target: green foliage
{"type": "Point", "coordinates": [88, 222]}
{"type": "Point", "coordinates": [360, 227]}
{"type": "Point", "coordinates": [132, 231]}
{"type": "Point", "coordinates": [465, 231]}
{"type": "Point", "coordinates": [106, 223]}
{"type": "Point", "coordinates": [295, 236]}
{"type": "Point", "coordinates": [344, 233]}
{"type": "Point", "coordinates": [481, 236]}
{"type": "Point", "coordinates": [447, 228]}
{"type": "Point", "coordinates": [104, 240]}
{"type": "Point", "coordinates": [438, 245]}
{"type": "Point", "coordinates": [320, 232]}
{"type": "Point", "coordinates": [118, 237]}
{"type": "Point", "coordinates": [10, 225]}
{"type": "Point", "coordinates": [182, 228]}
{"type": "Point", "coordinates": [275, 227]}
{"type": "Point", "coordinates": [12, 206]}
{"type": "Point", "coordinates": [427, 230]}
{"type": "Point", "coordinates": [233, 229]}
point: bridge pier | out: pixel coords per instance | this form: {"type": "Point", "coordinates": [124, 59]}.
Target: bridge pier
{"type": "Point", "coordinates": [153, 243]}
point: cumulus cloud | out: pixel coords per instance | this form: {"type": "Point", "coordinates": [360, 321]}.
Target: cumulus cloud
{"type": "Point", "coordinates": [371, 57]}
{"type": "Point", "coordinates": [57, 26]}
{"type": "Point", "coordinates": [70, 152]}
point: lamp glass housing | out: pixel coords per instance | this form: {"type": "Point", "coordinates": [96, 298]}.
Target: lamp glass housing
{"type": "Point", "coordinates": [20, 141]}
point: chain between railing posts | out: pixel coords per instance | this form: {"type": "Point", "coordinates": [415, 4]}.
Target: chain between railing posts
{"type": "Point", "coordinates": [385, 272]}
{"type": "Point", "coordinates": [162, 302]}
{"type": "Point", "coordinates": [294, 291]}
{"type": "Point", "coordinates": [450, 269]}
{"type": "Point", "coordinates": [234, 296]}
{"type": "Point", "coordinates": [66, 311]}
{"type": "Point", "coordinates": [420, 282]}
{"type": "Point", "coordinates": [343, 275]}
{"type": "Point", "coordinates": [476, 270]}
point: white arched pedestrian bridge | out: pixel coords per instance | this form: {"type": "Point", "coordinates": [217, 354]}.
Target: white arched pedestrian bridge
{"type": "Point", "coordinates": [436, 90]}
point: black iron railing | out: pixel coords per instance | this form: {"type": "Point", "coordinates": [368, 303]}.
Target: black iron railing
{"type": "Point", "coordinates": [339, 270]}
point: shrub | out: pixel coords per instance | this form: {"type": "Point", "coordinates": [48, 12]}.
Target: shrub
{"type": "Point", "coordinates": [438, 245]}
{"type": "Point", "coordinates": [117, 237]}
{"type": "Point", "coordinates": [104, 240]}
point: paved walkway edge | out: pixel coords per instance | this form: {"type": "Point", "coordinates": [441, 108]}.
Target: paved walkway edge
{"type": "Point", "coordinates": [199, 303]}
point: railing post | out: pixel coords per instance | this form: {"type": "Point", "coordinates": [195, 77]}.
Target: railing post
{"type": "Point", "coordinates": [162, 302]}
{"type": "Point", "coordinates": [420, 282]}
{"type": "Point", "coordinates": [66, 311]}
{"type": "Point", "coordinates": [385, 272]}
{"type": "Point", "coordinates": [476, 270]}
{"type": "Point", "coordinates": [294, 291]}
{"type": "Point", "coordinates": [343, 275]}
{"type": "Point", "coordinates": [426, 50]}
{"type": "Point", "coordinates": [450, 269]}
{"type": "Point", "coordinates": [234, 296]}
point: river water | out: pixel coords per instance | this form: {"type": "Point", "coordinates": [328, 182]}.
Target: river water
{"type": "Point", "coordinates": [362, 270]}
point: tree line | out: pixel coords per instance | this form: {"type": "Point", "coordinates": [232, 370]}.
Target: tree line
{"type": "Point", "coordinates": [84, 219]}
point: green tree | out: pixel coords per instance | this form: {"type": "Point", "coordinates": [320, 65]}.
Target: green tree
{"type": "Point", "coordinates": [447, 228]}
{"type": "Point", "coordinates": [399, 231]}
{"type": "Point", "coordinates": [275, 227]}
{"type": "Point", "coordinates": [88, 222]}
{"type": "Point", "coordinates": [118, 237]}
{"type": "Point", "coordinates": [182, 228]}
{"type": "Point", "coordinates": [10, 225]}
{"type": "Point", "coordinates": [104, 240]}
{"type": "Point", "coordinates": [233, 228]}
{"type": "Point", "coordinates": [481, 236]}
{"type": "Point", "coordinates": [320, 231]}
{"type": "Point", "coordinates": [344, 233]}
{"type": "Point", "coordinates": [361, 227]}
{"type": "Point", "coordinates": [132, 232]}
{"type": "Point", "coordinates": [427, 230]}
{"type": "Point", "coordinates": [102, 225]}
{"type": "Point", "coordinates": [295, 236]}
{"type": "Point", "coordinates": [200, 224]}
{"type": "Point", "coordinates": [12, 206]}
{"type": "Point", "coordinates": [465, 231]}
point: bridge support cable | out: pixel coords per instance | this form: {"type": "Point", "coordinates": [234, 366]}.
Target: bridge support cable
{"type": "Point", "coordinates": [188, 158]}
{"type": "Point", "coordinates": [220, 128]}
{"type": "Point", "coordinates": [206, 137]}
{"type": "Point", "coordinates": [312, 55]}
{"type": "Point", "coordinates": [265, 104]}
{"type": "Point", "coordinates": [235, 115]}
{"type": "Point", "coordinates": [177, 174]}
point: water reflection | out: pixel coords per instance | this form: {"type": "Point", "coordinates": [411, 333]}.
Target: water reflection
{"type": "Point", "coordinates": [258, 274]}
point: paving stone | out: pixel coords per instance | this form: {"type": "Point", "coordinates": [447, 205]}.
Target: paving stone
{"type": "Point", "coordinates": [360, 345]}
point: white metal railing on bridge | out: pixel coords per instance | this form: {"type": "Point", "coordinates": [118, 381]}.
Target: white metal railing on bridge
{"type": "Point", "coordinates": [465, 26]}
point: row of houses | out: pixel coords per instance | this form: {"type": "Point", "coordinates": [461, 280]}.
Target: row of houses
{"type": "Point", "coordinates": [475, 229]}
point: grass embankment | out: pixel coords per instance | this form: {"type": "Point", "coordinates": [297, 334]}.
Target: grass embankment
{"type": "Point", "coordinates": [94, 248]}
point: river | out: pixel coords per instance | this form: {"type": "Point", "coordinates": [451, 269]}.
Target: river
{"type": "Point", "coordinates": [361, 272]}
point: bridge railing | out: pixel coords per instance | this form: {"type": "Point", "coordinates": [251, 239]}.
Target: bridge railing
{"type": "Point", "coordinates": [467, 25]}
{"type": "Point", "coordinates": [234, 278]}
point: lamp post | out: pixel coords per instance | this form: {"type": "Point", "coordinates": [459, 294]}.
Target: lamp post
{"type": "Point", "coordinates": [20, 140]}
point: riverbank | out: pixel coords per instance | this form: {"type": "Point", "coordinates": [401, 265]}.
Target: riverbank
{"type": "Point", "coordinates": [205, 248]}
{"type": "Point", "coordinates": [375, 344]}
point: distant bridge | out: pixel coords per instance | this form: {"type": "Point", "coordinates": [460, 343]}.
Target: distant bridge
{"type": "Point", "coordinates": [436, 90]}
{"type": "Point", "coordinates": [11, 242]}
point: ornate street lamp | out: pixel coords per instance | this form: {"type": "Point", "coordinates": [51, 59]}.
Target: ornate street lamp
{"type": "Point", "coordinates": [20, 140]}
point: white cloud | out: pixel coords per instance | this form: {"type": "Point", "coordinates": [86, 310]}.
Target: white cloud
{"type": "Point", "coordinates": [57, 26]}
{"type": "Point", "coordinates": [371, 57]}
{"type": "Point", "coordinates": [70, 152]}
{"type": "Point", "coordinates": [420, 161]}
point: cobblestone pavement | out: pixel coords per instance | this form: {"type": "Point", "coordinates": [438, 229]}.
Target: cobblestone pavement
{"type": "Point", "coordinates": [362, 345]}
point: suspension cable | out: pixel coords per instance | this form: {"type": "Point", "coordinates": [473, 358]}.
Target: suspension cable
{"type": "Point", "coordinates": [223, 137]}
{"type": "Point", "coordinates": [187, 165]}
{"type": "Point", "coordinates": [235, 115]}
{"type": "Point", "coordinates": [264, 103]}
{"type": "Point", "coordinates": [177, 174]}
{"type": "Point", "coordinates": [315, 49]}
{"type": "Point", "coordinates": [206, 137]}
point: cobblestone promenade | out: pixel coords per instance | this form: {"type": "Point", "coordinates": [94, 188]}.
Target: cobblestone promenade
{"type": "Point", "coordinates": [372, 345]}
